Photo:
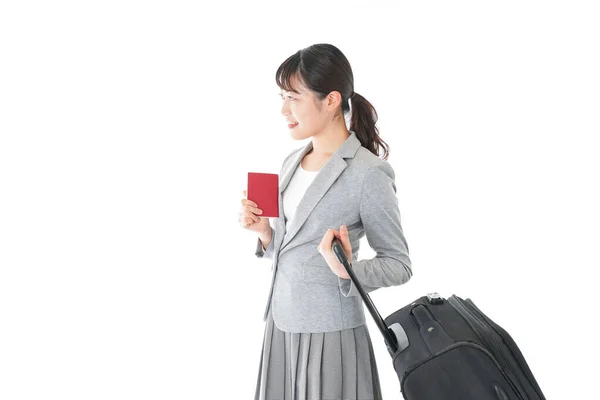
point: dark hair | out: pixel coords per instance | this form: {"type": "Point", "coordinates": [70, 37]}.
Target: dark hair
{"type": "Point", "coordinates": [323, 68]}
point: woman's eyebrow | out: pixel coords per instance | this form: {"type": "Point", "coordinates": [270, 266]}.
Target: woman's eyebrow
{"type": "Point", "coordinates": [291, 91]}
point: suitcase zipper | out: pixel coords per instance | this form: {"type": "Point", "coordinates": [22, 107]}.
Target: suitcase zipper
{"type": "Point", "coordinates": [488, 338]}
{"type": "Point", "coordinates": [485, 335]}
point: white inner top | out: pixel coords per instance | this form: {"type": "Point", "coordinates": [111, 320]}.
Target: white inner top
{"type": "Point", "coordinates": [294, 192]}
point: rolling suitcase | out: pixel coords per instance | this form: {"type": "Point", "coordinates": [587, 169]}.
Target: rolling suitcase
{"type": "Point", "coordinates": [446, 349]}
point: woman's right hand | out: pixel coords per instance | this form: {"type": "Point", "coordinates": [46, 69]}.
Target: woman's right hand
{"type": "Point", "coordinates": [249, 219]}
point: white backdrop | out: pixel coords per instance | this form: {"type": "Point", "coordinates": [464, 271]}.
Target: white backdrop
{"type": "Point", "coordinates": [128, 128]}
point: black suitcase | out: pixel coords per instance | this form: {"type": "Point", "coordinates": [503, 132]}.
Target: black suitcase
{"type": "Point", "coordinates": [446, 349]}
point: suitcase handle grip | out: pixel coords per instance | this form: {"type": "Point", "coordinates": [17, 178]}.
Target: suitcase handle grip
{"type": "Point", "coordinates": [431, 331]}
{"type": "Point", "coordinates": [388, 334]}
{"type": "Point", "coordinates": [422, 315]}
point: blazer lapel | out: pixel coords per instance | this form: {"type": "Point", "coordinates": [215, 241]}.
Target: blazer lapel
{"type": "Point", "coordinates": [328, 174]}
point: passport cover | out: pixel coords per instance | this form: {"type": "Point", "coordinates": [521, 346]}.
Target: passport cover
{"type": "Point", "coordinates": [263, 189]}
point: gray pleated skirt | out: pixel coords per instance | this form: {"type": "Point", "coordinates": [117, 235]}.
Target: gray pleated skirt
{"type": "Point", "coordinates": [317, 366]}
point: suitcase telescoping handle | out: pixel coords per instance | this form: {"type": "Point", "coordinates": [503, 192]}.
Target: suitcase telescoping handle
{"type": "Point", "coordinates": [388, 334]}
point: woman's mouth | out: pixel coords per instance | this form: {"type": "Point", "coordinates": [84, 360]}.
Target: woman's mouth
{"type": "Point", "coordinates": [292, 126]}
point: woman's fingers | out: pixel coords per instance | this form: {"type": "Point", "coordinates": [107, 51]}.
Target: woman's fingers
{"type": "Point", "coordinates": [252, 209]}
{"type": "Point", "coordinates": [246, 201]}
{"type": "Point", "coordinates": [249, 214]}
{"type": "Point", "coordinates": [249, 205]}
{"type": "Point", "coordinates": [344, 236]}
{"type": "Point", "coordinates": [249, 218]}
{"type": "Point", "coordinates": [327, 238]}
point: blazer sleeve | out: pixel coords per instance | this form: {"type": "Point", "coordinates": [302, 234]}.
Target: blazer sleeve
{"type": "Point", "coordinates": [380, 216]}
{"type": "Point", "coordinates": [260, 250]}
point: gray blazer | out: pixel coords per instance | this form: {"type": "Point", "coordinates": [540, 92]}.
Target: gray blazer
{"type": "Point", "coordinates": [355, 188]}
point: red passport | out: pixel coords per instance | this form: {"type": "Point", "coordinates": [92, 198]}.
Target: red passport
{"type": "Point", "coordinates": [263, 189]}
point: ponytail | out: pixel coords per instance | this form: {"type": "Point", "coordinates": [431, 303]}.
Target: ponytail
{"type": "Point", "coordinates": [363, 123]}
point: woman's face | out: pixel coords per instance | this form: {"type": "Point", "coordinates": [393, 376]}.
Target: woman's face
{"type": "Point", "coordinates": [305, 115]}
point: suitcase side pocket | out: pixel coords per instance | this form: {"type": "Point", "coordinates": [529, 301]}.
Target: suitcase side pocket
{"type": "Point", "coordinates": [465, 371]}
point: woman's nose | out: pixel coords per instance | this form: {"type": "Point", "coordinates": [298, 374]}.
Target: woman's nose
{"type": "Point", "coordinates": [285, 109]}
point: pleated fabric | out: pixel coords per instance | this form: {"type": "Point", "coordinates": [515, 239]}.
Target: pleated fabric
{"type": "Point", "coordinates": [317, 366]}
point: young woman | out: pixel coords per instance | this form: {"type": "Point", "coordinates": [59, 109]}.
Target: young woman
{"type": "Point", "coordinates": [316, 344]}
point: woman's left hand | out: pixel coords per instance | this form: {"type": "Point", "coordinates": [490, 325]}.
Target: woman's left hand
{"type": "Point", "coordinates": [328, 254]}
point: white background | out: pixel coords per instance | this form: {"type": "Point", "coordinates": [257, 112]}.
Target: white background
{"type": "Point", "coordinates": [128, 128]}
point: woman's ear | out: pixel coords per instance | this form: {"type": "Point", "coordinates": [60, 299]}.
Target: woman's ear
{"type": "Point", "coordinates": [334, 100]}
